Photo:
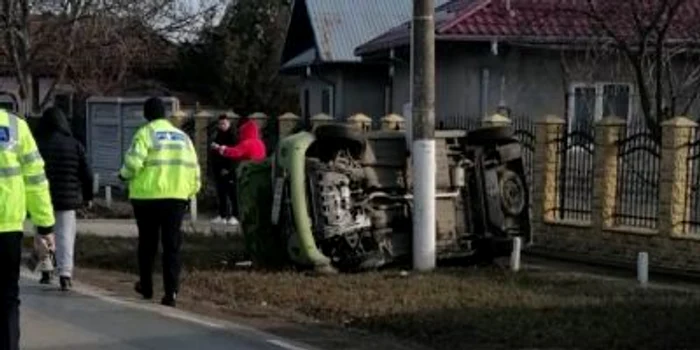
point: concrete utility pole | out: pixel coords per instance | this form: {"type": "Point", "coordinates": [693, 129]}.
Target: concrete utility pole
{"type": "Point", "coordinates": [423, 128]}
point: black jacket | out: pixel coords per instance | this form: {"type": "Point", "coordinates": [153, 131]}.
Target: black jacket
{"type": "Point", "coordinates": [67, 168]}
{"type": "Point", "coordinates": [227, 138]}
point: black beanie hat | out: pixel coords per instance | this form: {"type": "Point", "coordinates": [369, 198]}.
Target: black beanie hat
{"type": "Point", "coordinates": [153, 109]}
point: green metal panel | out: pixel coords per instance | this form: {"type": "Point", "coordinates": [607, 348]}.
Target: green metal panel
{"type": "Point", "coordinates": [265, 245]}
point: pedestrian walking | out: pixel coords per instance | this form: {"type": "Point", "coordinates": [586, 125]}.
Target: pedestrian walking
{"type": "Point", "coordinates": [224, 175]}
{"type": "Point", "coordinates": [70, 183]}
{"type": "Point", "coordinates": [23, 189]}
{"type": "Point", "coordinates": [162, 172]}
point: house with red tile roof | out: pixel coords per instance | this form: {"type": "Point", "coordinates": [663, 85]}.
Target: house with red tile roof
{"type": "Point", "coordinates": [534, 57]}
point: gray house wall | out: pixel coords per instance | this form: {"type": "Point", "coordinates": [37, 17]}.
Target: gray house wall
{"type": "Point", "coordinates": [356, 89]}
{"type": "Point", "coordinates": [531, 82]}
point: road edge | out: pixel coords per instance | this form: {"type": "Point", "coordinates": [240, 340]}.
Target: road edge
{"type": "Point", "coordinates": [182, 315]}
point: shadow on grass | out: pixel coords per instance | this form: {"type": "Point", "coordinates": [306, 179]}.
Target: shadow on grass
{"type": "Point", "coordinates": [120, 253]}
{"type": "Point", "coordinates": [634, 324]}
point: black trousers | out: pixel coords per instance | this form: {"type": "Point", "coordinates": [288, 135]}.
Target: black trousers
{"type": "Point", "coordinates": [226, 191]}
{"type": "Point", "coordinates": [160, 218]}
{"type": "Point", "coordinates": [10, 257]}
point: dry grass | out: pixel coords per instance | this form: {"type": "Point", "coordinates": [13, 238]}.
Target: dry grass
{"type": "Point", "coordinates": [452, 308]}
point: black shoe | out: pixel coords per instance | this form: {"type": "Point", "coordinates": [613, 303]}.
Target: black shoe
{"type": "Point", "coordinates": [168, 300]}
{"type": "Point", "coordinates": [146, 294]}
{"type": "Point", "coordinates": [45, 278]}
{"type": "Point", "coordinates": [66, 283]}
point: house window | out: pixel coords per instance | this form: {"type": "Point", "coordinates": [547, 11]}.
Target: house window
{"type": "Point", "coordinates": [589, 103]}
{"type": "Point", "coordinates": [327, 101]}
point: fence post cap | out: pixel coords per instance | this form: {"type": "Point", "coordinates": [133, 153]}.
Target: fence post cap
{"type": "Point", "coordinates": [611, 121]}
{"type": "Point", "coordinates": [359, 117]}
{"type": "Point", "coordinates": [551, 119]}
{"type": "Point", "coordinates": [497, 118]}
{"type": "Point", "coordinates": [321, 116]}
{"type": "Point", "coordinates": [289, 116]}
{"type": "Point", "coordinates": [258, 115]}
{"type": "Point", "coordinates": [203, 114]}
{"type": "Point", "coordinates": [231, 114]}
{"type": "Point", "coordinates": [180, 114]}
{"type": "Point", "coordinates": [392, 118]}
{"type": "Point", "coordinates": [680, 122]}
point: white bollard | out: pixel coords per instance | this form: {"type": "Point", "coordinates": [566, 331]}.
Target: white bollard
{"type": "Point", "coordinates": [643, 268]}
{"type": "Point", "coordinates": [96, 184]}
{"type": "Point", "coordinates": [515, 254]}
{"type": "Point", "coordinates": [108, 196]}
{"type": "Point", "coordinates": [193, 209]}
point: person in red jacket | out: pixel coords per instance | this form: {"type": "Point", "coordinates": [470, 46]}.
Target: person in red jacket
{"type": "Point", "coordinates": [249, 147]}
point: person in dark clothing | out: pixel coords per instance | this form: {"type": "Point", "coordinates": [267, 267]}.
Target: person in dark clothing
{"type": "Point", "coordinates": [70, 183]}
{"type": "Point", "coordinates": [225, 175]}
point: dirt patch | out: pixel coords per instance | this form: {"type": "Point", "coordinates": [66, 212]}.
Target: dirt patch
{"type": "Point", "coordinates": [451, 308]}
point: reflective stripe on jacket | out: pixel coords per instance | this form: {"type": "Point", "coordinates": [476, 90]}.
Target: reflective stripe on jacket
{"type": "Point", "coordinates": [23, 185]}
{"type": "Point", "coordinates": [161, 163]}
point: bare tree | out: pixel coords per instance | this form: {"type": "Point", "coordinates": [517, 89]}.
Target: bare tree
{"type": "Point", "coordinates": [658, 40]}
{"type": "Point", "coordinates": [90, 44]}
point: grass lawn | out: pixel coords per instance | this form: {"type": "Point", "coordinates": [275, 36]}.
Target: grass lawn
{"type": "Point", "coordinates": [454, 308]}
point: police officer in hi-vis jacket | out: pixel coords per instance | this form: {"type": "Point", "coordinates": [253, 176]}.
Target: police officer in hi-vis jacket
{"type": "Point", "coordinates": [23, 189]}
{"type": "Point", "coordinates": [162, 172]}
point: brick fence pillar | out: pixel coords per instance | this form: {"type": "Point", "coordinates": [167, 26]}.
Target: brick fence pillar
{"type": "Point", "coordinates": [360, 122]}
{"type": "Point", "coordinates": [320, 119]}
{"type": "Point", "coordinates": [605, 164]}
{"type": "Point", "coordinates": [393, 122]}
{"type": "Point", "coordinates": [201, 140]}
{"type": "Point", "coordinates": [260, 119]}
{"type": "Point", "coordinates": [287, 123]}
{"type": "Point", "coordinates": [673, 185]}
{"type": "Point", "coordinates": [178, 118]}
{"type": "Point", "coordinates": [545, 196]}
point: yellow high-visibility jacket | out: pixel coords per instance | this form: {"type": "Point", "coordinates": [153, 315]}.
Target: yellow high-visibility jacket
{"type": "Point", "coordinates": [23, 184]}
{"type": "Point", "coordinates": [161, 163]}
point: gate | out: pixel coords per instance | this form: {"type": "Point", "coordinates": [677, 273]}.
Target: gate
{"type": "Point", "coordinates": [111, 122]}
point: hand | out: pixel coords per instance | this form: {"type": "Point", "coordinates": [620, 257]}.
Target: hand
{"type": "Point", "coordinates": [215, 146]}
{"type": "Point", "coordinates": [43, 245]}
{"type": "Point", "coordinates": [88, 205]}
{"type": "Point", "coordinates": [221, 150]}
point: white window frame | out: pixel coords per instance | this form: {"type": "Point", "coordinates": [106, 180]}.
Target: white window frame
{"type": "Point", "coordinates": [598, 108]}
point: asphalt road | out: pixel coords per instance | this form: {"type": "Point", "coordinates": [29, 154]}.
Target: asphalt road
{"type": "Point", "coordinates": [88, 319]}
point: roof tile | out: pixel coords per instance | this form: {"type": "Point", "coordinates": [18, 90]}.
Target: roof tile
{"type": "Point", "coordinates": [543, 20]}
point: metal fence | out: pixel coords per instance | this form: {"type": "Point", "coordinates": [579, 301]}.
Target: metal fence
{"type": "Point", "coordinates": [575, 178]}
{"type": "Point", "coordinates": [638, 175]}
{"type": "Point", "coordinates": [693, 187]}
{"type": "Point", "coordinates": [524, 127]}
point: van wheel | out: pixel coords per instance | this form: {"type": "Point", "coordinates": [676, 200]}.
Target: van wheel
{"type": "Point", "coordinates": [513, 193]}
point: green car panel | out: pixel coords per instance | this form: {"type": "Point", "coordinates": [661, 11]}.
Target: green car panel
{"type": "Point", "coordinates": [291, 162]}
